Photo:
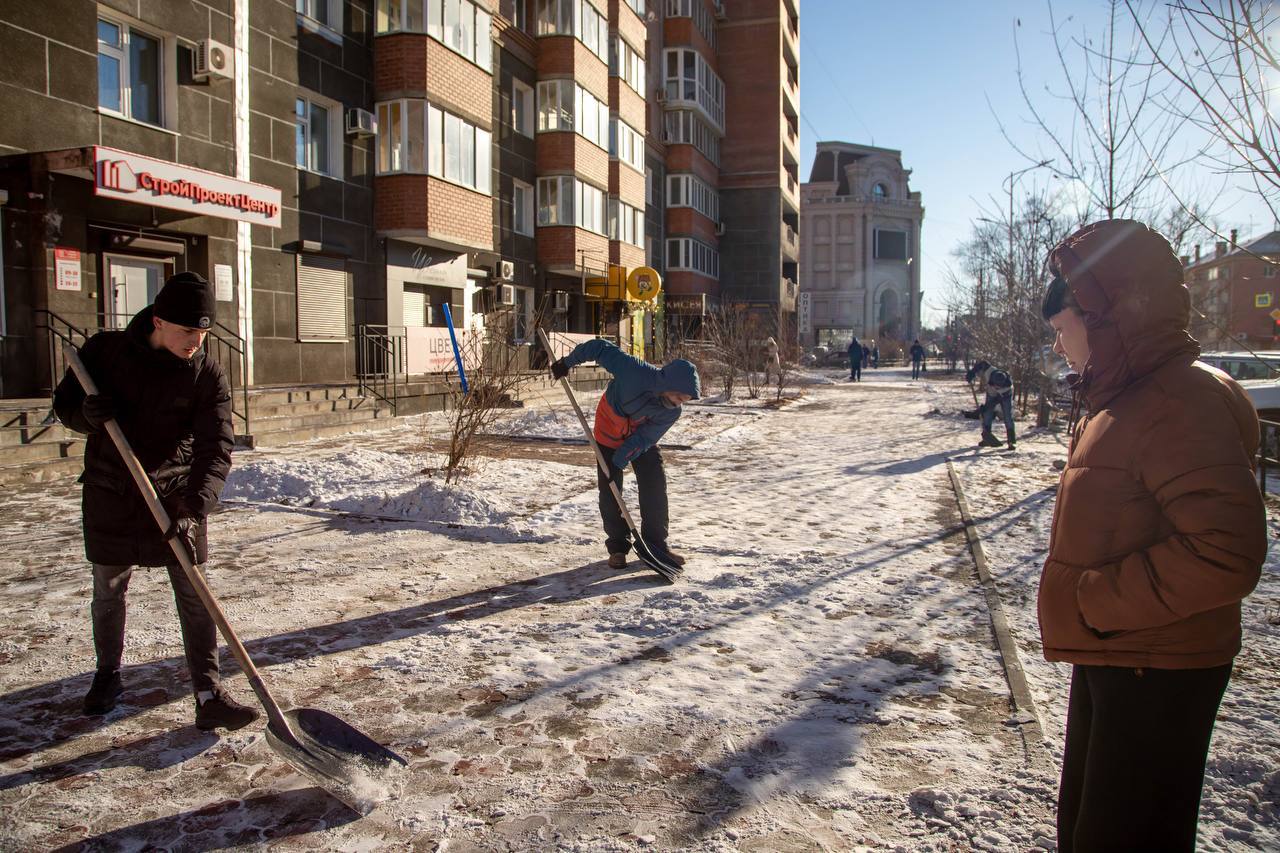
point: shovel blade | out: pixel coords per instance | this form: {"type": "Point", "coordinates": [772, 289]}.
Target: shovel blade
{"type": "Point", "coordinates": [335, 755]}
{"type": "Point", "coordinates": [668, 570]}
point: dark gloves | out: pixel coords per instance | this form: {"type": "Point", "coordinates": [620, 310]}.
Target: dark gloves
{"type": "Point", "coordinates": [184, 528]}
{"type": "Point", "coordinates": [97, 409]}
{"type": "Point", "coordinates": [559, 369]}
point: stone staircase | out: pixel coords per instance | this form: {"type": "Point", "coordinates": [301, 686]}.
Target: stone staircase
{"type": "Point", "coordinates": [34, 447]}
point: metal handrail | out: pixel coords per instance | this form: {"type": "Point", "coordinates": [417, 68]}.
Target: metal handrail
{"type": "Point", "coordinates": [381, 363]}
{"type": "Point", "coordinates": [58, 331]}
{"type": "Point", "coordinates": [1270, 440]}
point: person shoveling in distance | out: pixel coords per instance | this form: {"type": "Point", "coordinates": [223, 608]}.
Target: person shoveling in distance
{"type": "Point", "coordinates": [174, 405]}
{"type": "Point", "coordinates": [637, 408]}
{"type": "Point", "coordinates": [999, 387]}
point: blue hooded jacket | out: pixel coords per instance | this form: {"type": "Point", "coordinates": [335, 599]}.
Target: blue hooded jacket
{"type": "Point", "coordinates": [633, 393]}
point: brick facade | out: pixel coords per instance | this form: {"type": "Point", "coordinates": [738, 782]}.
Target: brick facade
{"type": "Point", "coordinates": [426, 206]}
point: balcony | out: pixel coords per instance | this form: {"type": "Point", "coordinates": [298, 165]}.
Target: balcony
{"type": "Point", "coordinates": [790, 242]}
{"type": "Point", "coordinates": [790, 101]}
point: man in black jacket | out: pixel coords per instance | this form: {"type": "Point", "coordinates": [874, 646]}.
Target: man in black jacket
{"type": "Point", "coordinates": [174, 405]}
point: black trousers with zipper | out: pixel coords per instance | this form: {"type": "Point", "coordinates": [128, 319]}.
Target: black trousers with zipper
{"type": "Point", "coordinates": [1137, 742]}
{"type": "Point", "coordinates": [651, 482]}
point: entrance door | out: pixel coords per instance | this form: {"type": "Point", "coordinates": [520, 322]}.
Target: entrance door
{"type": "Point", "coordinates": [134, 285]}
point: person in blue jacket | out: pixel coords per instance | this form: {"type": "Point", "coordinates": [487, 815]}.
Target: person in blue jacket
{"type": "Point", "coordinates": [639, 405]}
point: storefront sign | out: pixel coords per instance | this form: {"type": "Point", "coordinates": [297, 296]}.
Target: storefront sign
{"type": "Point", "coordinates": [687, 304]}
{"type": "Point", "coordinates": [643, 284]}
{"type": "Point", "coordinates": [804, 313]}
{"type": "Point", "coordinates": [159, 183]}
{"type": "Point", "coordinates": [66, 265]}
{"type": "Point", "coordinates": [429, 350]}
{"type": "Point", "coordinates": [410, 264]}
{"type": "Point", "coordinates": [222, 282]}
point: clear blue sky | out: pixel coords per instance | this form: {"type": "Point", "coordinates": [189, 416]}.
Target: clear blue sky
{"type": "Point", "coordinates": [916, 75]}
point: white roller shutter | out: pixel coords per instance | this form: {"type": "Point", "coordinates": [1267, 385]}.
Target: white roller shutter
{"type": "Point", "coordinates": [415, 306]}
{"type": "Point", "coordinates": [322, 298]}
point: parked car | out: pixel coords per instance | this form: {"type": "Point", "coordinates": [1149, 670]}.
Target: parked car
{"type": "Point", "coordinates": [1258, 374]}
{"type": "Point", "coordinates": [824, 356]}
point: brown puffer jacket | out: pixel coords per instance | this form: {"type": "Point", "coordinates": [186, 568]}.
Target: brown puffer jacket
{"type": "Point", "coordinates": [1159, 530]}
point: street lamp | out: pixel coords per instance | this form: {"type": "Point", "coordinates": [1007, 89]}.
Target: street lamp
{"type": "Point", "coordinates": [1013, 179]}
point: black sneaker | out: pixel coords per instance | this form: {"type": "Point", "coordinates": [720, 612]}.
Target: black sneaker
{"type": "Point", "coordinates": [989, 440]}
{"type": "Point", "coordinates": [103, 693]}
{"type": "Point", "coordinates": [223, 712]}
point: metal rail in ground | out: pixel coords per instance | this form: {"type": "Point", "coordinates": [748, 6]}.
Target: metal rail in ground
{"type": "Point", "coordinates": [1026, 716]}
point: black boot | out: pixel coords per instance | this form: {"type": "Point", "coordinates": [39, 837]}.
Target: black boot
{"type": "Point", "coordinates": [104, 692]}
{"type": "Point", "coordinates": [989, 440]}
{"type": "Point", "coordinates": [223, 712]}
{"type": "Point", "coordinates": [1013, 439]}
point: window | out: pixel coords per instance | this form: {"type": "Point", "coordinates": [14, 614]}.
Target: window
{"type": "Point", "coordinates": [417, 305]}
{"type": "Point", "coordinates": [879, 192]}
{"type": "Point", "coordinates": [325, 12]}
{"type": "Point", "coordinates": [689, 191]}
{"type": "Point", "coordinates": [1262, 300]}
{"type": "Point", "coordinates": [890, 245]}
{"type": "Point", "coordinates": [697, 10]}
{"type": "Point", "coordinates": [522, 208]}
{"type": "Point", "coordinates": [415, 136]}
{"type": "Point", "coordinates": [565, 200]}
{"type": "Point", "coordinates": [626, 223]}
{"type": "Point", "coordinates": [626, 144]}
{"type": "Point", "coordinates": [316, 124]}
{"type": "Point", "coordinates": [1269, 269]}
{"type": "Point", "coordinates": [322, 298]}
{"type": "Point", "coordinates": [564, 105]}
{"type": "Point", "coordinates": [516, 11]}
{"type": "Point", "coordinates": [685, 253]}
{"type": "Point", "coordinates": [628, 63]}
{"type": "Point", "coordinates": [460, 25]}
{"type": "Point", "coordinates": [130, 72]}
{"type": "Point", "coordinates": [576, 18]}
{"type": "Point", "coordinates": [522, 107]}
{"type": "Point", "coordinates": [690, 79]}
{"type": "Point", "coordinates": [637, 6]}
{"type": "Point", "coordinates": [684, 127]}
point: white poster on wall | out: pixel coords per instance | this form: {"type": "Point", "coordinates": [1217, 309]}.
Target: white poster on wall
{"type": "Point", "coordinates": [222, 283]}
{"type": "Point", "coordinates": [66, 264]}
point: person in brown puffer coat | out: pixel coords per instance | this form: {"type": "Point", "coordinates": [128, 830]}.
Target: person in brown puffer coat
{"type": "Point", "coordinates": [1158, 533]}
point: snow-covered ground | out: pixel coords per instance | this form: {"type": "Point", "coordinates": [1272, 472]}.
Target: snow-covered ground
{"type": "Point", "coordinates": [824, 678]}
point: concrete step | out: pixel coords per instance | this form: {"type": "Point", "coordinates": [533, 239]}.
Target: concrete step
{"type": "Point", "coordinates": [16, 435]}
{"type": "Point", "coordinates": [41, 472]}
{"type": "Point", "coordinates": [301, 394]}
{"type": "Point", "coordinates": [345, 416]}
{"type": "Point", "coordinates": [277, 437]}
{"type": "Point", "coordinates": [41, 450]}
{"type": "Point", "coordinates": [306, 407]}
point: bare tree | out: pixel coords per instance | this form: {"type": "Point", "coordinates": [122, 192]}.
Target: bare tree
{"type": "Point", "coordinates": [1224, 58]}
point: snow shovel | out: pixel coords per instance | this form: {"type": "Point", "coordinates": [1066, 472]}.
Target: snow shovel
{"type": "Point", "coordinates": [668, 570]}
{"type": "Point", "coordinates": [340, 759]}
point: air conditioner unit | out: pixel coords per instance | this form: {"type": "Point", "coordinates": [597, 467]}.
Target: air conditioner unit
{"type": "Point", "coordinates": [721, 15]}
{"type": "Point", "coordinates": [506, 294]}
{"type": "Point", "coordinates": [361, 122]}
{"type": "Point", "coordinates": [562, 301]}
{"type": "Point", "coordinates": [719, 229]}
{"type": "Point", "coordinates": [506, 270]}
{"type": "Point", "coordinates": [213, 59]}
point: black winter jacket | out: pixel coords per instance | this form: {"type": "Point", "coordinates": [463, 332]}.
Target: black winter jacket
{"type": "Point", "coordinates": [176, 415]}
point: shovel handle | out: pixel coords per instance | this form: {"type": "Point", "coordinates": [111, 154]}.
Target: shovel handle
{"type": "Point", "coordinates": [582, 419]}
{"type": "Point", "coordinates": [158, 512]}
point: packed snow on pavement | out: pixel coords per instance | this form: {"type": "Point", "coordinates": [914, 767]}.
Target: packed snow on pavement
{"type": "Point", "coordinates": [824, 677]}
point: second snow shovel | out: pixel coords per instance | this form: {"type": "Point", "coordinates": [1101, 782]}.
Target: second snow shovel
{"type": "Point", "coordinates": [348, 764]}
{"type": "Point", "coordinates": [670, 571]}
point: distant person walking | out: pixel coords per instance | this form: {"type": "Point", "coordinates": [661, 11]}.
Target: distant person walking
{"type": "Point", "coordinates": [999, 387]}
{"type": "Point", "coordinates": [917, 359]}
{"type": "Point", "coordinates": [875, 354]}
{"type": "Point", "coordinates": [1158, 535]}
{"type": "Point", "coordinates": [855, 360]}
{"type": "Point", "coordinates": [772, 361]}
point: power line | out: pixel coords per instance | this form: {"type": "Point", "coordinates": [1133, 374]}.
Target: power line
{"type": "Point", "coordinates": [839, 89]}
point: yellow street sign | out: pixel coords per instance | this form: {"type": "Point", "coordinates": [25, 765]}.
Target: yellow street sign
{"type": "Point", "coordinates": [1275, 315]}
{"type": "Point", "coordinates": [644, 284]}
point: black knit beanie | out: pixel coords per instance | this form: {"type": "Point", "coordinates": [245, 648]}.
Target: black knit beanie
{"type": "Point", "coordinates": [187, 300]}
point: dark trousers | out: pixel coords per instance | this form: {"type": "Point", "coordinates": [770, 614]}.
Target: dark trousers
{"type": "Point", "coordinates": [1003, 403]}
{"type": "Point", "coordinates": [199, 634]}
{"type": "Point", "coordinates": [1137, 741]}
{"type": "Point", "coordinates": [855, 371]}
{"type": "Point", "coordinates": [915, 370]}
{"type": "Point", "coordinates": [651, 481]}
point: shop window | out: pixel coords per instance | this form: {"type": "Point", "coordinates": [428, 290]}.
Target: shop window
{"type": "Point", "coordinates": [322, 298]}
{"type": "Point", "coordinates": [317, 138]}
{"type": "Point", "coordinates": [130, 72]}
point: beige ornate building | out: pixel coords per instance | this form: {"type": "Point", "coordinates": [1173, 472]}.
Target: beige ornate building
{"type": "Point", "coordinates": [860, 246]}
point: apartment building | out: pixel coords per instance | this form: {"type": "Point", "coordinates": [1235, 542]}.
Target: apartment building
{"type": "Point", "coordinates": [344, 170]}
{"type": "Point", "coordinates": [729, 88]}
{"type": "Point", "coordinates": [1235, 294]}
{"type": "Point", "coordinates": [860, 247]}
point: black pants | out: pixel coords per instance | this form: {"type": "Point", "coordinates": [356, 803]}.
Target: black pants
{"type": "Point", "coordinates": [915, 370]}
{"type": "Point", "coordinates": [855, 371]}
{"type": "Point", "coordinates": [199, 634]}
{"type": "Point", "coordinates": [1137, 741]}
{"type": "Point", "coordinates": [651, 480]}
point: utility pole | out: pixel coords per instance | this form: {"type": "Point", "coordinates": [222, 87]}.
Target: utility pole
{"type": "Point", "coordinates": [1012, 179]}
